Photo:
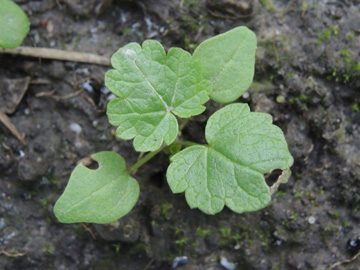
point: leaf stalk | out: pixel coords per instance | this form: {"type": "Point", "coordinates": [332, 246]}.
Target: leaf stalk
{"type": "Point", "coordinates": [145, 159]}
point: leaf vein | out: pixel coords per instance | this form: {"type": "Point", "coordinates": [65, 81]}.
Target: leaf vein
{"type": "Point", "coordinates": [231, 57]}
{"type": "Point", "coordinates": [148, 83]}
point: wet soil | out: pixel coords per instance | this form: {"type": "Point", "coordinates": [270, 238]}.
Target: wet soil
{"type": "Point", "coordinates": [307, 77]}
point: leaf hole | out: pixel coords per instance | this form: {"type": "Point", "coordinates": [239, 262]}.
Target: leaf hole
{"type": "Point", "coordinates": [272, 177]}
{"type": "Point", "coordinates": [89, 163]}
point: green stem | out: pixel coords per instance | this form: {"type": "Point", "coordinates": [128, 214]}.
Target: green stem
{"type": "Point", "coordinates": [188, 143]}
{"type": "Point", "coordinates": [183, 124]}
{"type": "Point", "coordinates": [145, 159]}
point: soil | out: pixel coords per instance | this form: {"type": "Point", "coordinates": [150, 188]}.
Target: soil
{"type": "Point", "coordinates": [307, 77]}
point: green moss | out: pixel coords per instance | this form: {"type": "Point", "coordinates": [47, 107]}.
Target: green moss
{"type": "Point", "coordinates": [225, 232]}
{"type": "Point", "coordinates": [167, 256]}
{"type": "Point", "coordinates": [226, 236]}
{"type": "Point", "coordinates": [290, 75]}
{"type": "Point", "coordinates": [264, 238]}
{"type": "Point", "coordinates": [304, 7]}
{"type": "Point", "coordinates": [165, 209]}
{"type": "Point", "coordinates": [127, 31]}
{"type": "Point", "coordinates": [327, 34]}
{"type": "Point", "coordinates": [351, 35]}
{"type": "Point", "coordinates": [48, 250]}
{"type": "Point", "coordinates": [190, 3]}
{"type": "Point", "coordinates": [356, 66]}
{"type": "Point", "coordinates": [44, 202]}
{"type": "Point", "coordinates": [355, 107]}
{"type": "Point", "coordinates": [202, 232]}
{"type": "Point", "coordinates": [329, 228]}
{"type": "Point", "coordinates": [268, 5]}
{"type": "Point", "coordinates": [182, 241]}
{"type": "Point", "coordinates": [143, 248]}
{"type": "Point", "coordinates": [345, 53]}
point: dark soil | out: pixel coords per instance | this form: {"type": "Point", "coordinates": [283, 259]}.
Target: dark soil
{"type": "Point", "coordinates": [307, 78]}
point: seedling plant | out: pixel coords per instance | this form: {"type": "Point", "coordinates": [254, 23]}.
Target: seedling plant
{"type": "Point", "coordinates": [153, 90]}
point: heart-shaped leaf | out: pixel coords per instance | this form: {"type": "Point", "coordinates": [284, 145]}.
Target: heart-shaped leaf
{"type": "Point", "coordinates": [14, 24]}
{"type": "Point", "coordinates": [243, 146]}
{"type": "Point", "coordinates": [99, 196]}
{"type": "Point", "coordinates": [228, 61]}
{"type": "Point", "coordinates": [152, 87]}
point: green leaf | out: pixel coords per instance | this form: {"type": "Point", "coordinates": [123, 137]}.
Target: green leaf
{"type": "Point", "coordinates": [243, 146]}
{"type": "Point", "coordinates": [152, 87]}
{"type": "Point", "coordinates": [14, 24]}
{"type": "Point", "coordinates": [98, 196]}
{"type": "Point", "coordinates": [228, 61]}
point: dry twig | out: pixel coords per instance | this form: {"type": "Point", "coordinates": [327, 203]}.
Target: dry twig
{"type": "Point", "coordinates": [59, 55]}
{"type": "Point", "coordinates": [345, 261]}
{"type": "Point", "coordinates": [69, 96]}
{"type": "Point", "coordinates": [149, 264]}
{"type": "Point", "coordinates": [233, 17]}
{"type": "Point", "coordinates": [89, 230]}
{"type": "Point", "coordinates": [45, 94]}
{"type": "Point", "coordinates": [7, 122]}
{"type": "Point", "coordinates": [17, 254]}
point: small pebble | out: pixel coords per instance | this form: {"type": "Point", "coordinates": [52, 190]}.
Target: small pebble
{"type": "Point", "coordinates": [179, 261]}
{"type": "Point", "coordinates": [311, 220]}
{"type": "Point", "coordinates": [135, 26]}
{"type": "Point", "coordinates": [237, 246]}
{"type": "Point", "coordinates": [9, 236]}
{"type": "Point", "coordinates": [246, 95]}
{"type": "Point", "coordinates": [104, 90]}
{"type": "Point", "coordinates": [2, 223]}
{"type": "Point", "coordinates": [226, 264]}
{"type": "Point", "coordinates": [162, 30]}
{"type": "Point", "coordinates": [21, 154]}
{"type": "Point", "coordinates": [87, 86]}
{"type": "Point", "coordinates": [123, 17]}
{"type": "Point", "coordinates": [75, 127]}
{"type": "Point", "coordinates": [148, 23]}
{"type": "Point", "coordinates": [36, 36]}
{"type": "Point", "coordinates": [110, 97]}
{"type": "Point", "coordinates": [353, 245]}
{"type": "Point", "coordinates": [50, 26]}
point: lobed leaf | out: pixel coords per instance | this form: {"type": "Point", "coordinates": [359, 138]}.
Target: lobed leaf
{"type": "Point", "coordinates": [152, 87]}
{"type": "Point", "coordinates": [242, 146]}
{"type": "Point", "coordinates": [228, 61]}
{"type": "Point", "coordinates": [98, 196]}
{"type": "Point", "coordinates": [14, 24]}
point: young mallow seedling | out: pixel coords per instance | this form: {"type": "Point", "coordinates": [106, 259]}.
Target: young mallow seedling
{"type": "Point", "coordinates": [153, 90]}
